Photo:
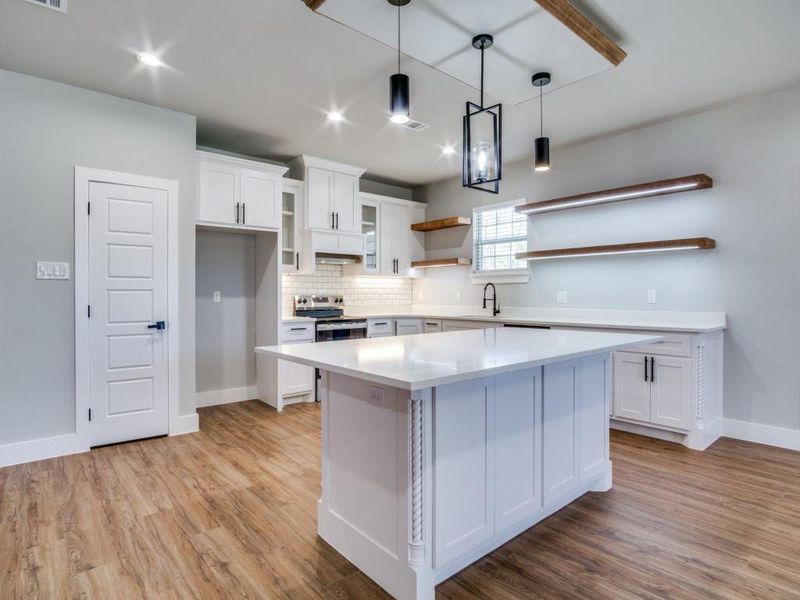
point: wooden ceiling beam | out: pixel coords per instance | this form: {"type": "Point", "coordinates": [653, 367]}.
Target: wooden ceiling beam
{"type": "Point", "coordinates": [564, 11]}
{"type": "Point", "coordinates": [314, 4]}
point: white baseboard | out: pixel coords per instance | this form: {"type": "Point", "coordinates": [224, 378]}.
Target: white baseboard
{"type": "Point", "coordinates": [216, 397]}
{"type": "Point", "coordinates": [185, 424]}
{"type": "Point", "coordinates": [43, 448]}
{"type": "Point", "coordinates": [762, 434]}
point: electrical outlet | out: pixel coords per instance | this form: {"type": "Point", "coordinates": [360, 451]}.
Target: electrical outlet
{"type": "Point", "coordinates": [651, 296]}
{"type": "Point", "coordinates": [217, 297]}
{"type": "Point", "coordinates": [561, 297]}
{"type": "Point", "coordinates": [376, 397]}
{"type": "Point", "coordinates": [52, 270]}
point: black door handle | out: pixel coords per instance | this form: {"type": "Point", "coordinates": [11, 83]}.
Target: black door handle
{"type": "Point", "coordinates": [297, 260]}
{"type": "Point", "coordinates": [337, 221]}
{"type": "Point", "coordinates": [645, 368]}
{"type": "Point", "coordinates": [243, 213]}
{"type": "Point", "coordinates": [333, 221]}
{"type": "Point", "coordinates": [237, 212]}
{"type": "Point", "coordinates": [652, 369]}
{"type": "Point", "coordinates": [159, 325]}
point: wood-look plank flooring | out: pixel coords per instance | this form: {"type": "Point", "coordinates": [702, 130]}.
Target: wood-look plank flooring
{"type": "Point", "coordinates": [230, 513]}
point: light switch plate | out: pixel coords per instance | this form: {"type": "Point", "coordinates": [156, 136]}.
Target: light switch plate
{"type": "Point", "coordinates": [651, 296]}
{"type": "Point", "coordinates": [217, 297]}
{"type": "Point", "coordinates": [561, 297]}
{"type": "Point", "coordinates": [52, 270]}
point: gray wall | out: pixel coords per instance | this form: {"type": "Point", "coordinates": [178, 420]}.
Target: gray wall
{"type": "Point", "coordinates": [752, 150]}
{"type": "Point", "coordinates": [226, 331]}
{"type": "Point", "coordinates": [46, 129]}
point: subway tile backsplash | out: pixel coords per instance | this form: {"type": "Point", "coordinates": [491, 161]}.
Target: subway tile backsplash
{"type": "Point", "coordinates": [357, 290]}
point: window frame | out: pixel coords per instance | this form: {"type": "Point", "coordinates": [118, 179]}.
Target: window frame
{"type": "Point", "coordinates": [520, 275]}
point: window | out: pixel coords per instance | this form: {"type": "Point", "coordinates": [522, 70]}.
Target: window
{"type": "Point", "coordinates": [498, 234]}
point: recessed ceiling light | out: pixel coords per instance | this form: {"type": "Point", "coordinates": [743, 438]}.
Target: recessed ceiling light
{"type": "Point", "coordinates": [448, 150]}
{"type": "Point", "coordinates": [335, 116]}
{"type": "Point", "coordinates": [151, 60]}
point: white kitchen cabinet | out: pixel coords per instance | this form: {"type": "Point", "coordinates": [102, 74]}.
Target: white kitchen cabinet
{"type": "Point", "coordinates": [380, 327]}
{"type": "Point", "coordinates": [291, 233]}
{"type": "Point", "coordinates": [670, 391]}
{"type": "Point", "coordinates": [296, 381]}
{"type": "Point", "coordinates": [395, 233]}
{"type": "Point", "coordinates": [431, 326]}
{"type": "Point", "coordinates": [332, 199]}
{"type": "Point", "coordinates": [407, 326]}
{"type": "Point", "coordinates": [631, 391]}
{"type": "Point", "coordinates": [653, 389]}
{"type": "Point", "coordinates": [238, 193]}
{"type": "Point", "coordinates": [370, 227]}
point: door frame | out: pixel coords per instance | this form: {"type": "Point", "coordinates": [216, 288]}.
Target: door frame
{"type": "Point", "coordinates": [84, 176]}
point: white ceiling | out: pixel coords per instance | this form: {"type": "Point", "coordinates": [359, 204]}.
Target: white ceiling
{"type": "Point", "coordinates": [260, 74]}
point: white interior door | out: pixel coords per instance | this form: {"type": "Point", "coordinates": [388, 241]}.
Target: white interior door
{"type": "Point", "coordinates": [128, 359]}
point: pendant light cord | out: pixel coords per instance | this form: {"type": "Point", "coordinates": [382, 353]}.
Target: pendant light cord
{"type": "Point", "coordinates": [541, 113]}
{"type": "Point", "coordinates": [481, 75]}
{"type": "Point", "coordinates": [398, 37]}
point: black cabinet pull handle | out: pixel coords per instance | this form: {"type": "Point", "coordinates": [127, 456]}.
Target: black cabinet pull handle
{"type": "Point", "coordinates": [243, 217]}
{"type": "Point", "coordinates": [297, 260]}
{"type": "Point", "coordinates": [333, 221]}
{"type": "Point", "coordinates": [297, 329]}
{"type": "Point", "coordinates": [337, 221]}
{"type": "Point", "coordinates": [381, 323]}
{"type": "Point", "coordinates": [237, 212]}
{"type": "Point", "coordinates": [652, 369]}
{"type": "Point", "coordinates": [645, 368]}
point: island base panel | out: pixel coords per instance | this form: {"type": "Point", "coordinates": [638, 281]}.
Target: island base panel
{"type": "Point", "coordinates": [418, 485]}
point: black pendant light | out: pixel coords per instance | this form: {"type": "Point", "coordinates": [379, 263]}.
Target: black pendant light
{"type": "Point", "coordinates": [541, 145]}
{"type": "Point", "coordinates": [482, 136]}
{"type": "Point", "coordinates": [399, 98]}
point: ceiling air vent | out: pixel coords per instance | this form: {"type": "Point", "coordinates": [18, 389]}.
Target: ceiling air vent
{"type": "Point", "coordinates": [415, 125]}
{"type": "Point", "coordinates": [59, 5]}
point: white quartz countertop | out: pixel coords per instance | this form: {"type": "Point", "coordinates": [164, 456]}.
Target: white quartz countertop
{"type": "Point", "coordinates": [415, 362]}
{"type": "Point", "coordinates": [676, 321]}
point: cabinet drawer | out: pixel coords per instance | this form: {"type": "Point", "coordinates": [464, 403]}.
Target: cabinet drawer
{"type": "Point", "coordinates": [379, 327]}
{"type": "Point", "coordinates": [673, 344]}
{"type": "Point", "coordinates": [431, 326]}
{"type": "Point", "coordinates": [294, 332]}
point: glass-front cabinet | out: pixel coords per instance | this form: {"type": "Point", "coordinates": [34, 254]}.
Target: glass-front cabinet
{"type": "Point", "coordinates": [292, 203]}
{"type": "Point", "coordinates": [369, 227]}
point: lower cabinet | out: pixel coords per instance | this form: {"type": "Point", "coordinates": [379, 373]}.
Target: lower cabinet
{"type": "Point", "coordinates": [510, 446]}
{"type": "Point", "coordinates": [431, 326]}
{"type": "Point", "coordinates": [448, 325]}
{"type": "Point", "coordinates": [407, 326]}
{"type": "Point", "coordinates": [653, 389]}
{"type": "Point", "coordinates": [380, 327]}
{"type": "Point", "coordinates": [295, 381]}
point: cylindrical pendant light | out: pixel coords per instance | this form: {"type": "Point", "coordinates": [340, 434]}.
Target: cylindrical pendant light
{"type": "Point", "coordinates": [541, 146]}
{"type": "Point", "coordinates": [399, 96]}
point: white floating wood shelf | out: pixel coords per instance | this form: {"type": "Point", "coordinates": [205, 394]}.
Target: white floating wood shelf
{"type": "Point", "coordinates": [441, 262]}
{"type": "Point", "coordinates": [631, 192]}
{"type": "Point", "coordinates": [702, 243]}
{"type": "Point", "coordinates": [446, 223]}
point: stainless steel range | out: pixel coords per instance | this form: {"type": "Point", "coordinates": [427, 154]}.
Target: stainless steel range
{"type": "Point", "coordinates": [331, 324]}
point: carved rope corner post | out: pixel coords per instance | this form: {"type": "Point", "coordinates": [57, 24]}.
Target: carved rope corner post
{"type": "Point", "coordinates": [416, 545]}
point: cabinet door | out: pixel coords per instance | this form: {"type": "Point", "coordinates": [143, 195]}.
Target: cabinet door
{"type": "Point", "coordinates": [291, 241]}
{"type": "Point", "coordinates": [463, 497]}
{"type": "Point", "coordinates": [319, 206]}
{"type": "Point", "coordinates": [219, 192]}
{"type": "Point", "coordinates": [388, 237]}
{"type": "Point", "coordinates": [671, 391]}
{"type": "Point", "coordinates": [593, 391]}
{"type": "Point", "coordinates": [261, 199]}
{"type": "Point", "coordinates": [295, 378]}
{"type": "Point", "coordinates": [517, 455]}
{"type": "Point", "coordinates": [631, 391]}
{"type": "Point", "coordinates": [346, 203]}
{"type": "Point", "coordinates": [431, 326]}
{"type": "Point", "coordinates": [560, 471]}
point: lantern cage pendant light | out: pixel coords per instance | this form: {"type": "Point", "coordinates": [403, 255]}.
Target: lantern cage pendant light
{"type": "Point", "coordinates": [399, 96]}
{"type": "Point", "coordinates": [482, 125]}
{"type": "Point", "coordinates": [541, 145]}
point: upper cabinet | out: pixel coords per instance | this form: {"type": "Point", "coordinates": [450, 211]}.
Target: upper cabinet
{"type": "Point", "coordinates": [291, 235]}
{"type": "Point", "coordinates": [239, 193]}
{"type": "Point", "coordinates": [332, 200]}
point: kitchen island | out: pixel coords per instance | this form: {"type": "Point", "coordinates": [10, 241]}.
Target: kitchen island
{"type": "Point", "coordinates": [438, 448]}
